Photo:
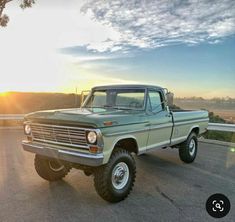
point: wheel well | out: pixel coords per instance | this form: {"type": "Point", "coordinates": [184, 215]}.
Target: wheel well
{"type": "Point", "coordinates": [128, 144]}
{"type": "Point", "coordinates": [195, 130]}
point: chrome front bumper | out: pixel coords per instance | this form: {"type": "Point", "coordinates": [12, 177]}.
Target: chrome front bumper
{"type": "Point", "coordinates": [63, 154]}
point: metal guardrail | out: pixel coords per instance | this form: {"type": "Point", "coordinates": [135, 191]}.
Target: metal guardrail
{"type": "Point", "coordinates": [11, 116]}
{"type": "Point", "coordinates": [221, 127]}
{"type": "Point", "coordinates": [211, 126]}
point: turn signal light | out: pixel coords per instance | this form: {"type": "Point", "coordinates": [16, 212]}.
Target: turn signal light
{"type": "Point", "coordinates": [93, 149]}
{"type": "Point", "coordinates": [29, 138]}
{"type": "Point", "coordinates": [108, 123]}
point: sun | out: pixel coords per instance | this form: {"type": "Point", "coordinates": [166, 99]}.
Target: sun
{"type": "Point", "coordinates": [2, 94]}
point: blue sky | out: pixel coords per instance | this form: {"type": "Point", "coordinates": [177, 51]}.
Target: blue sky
{"type": "Point", "coordinates": [203, 67]}
{"type": "Point", "coordinates": [186, 46]}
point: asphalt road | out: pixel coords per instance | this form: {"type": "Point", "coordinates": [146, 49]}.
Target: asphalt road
{"type": "Point", "coordinates": [165, 190]}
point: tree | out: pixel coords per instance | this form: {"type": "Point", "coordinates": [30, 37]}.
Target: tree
{"type": "Point", "coordinates": [4, 19]}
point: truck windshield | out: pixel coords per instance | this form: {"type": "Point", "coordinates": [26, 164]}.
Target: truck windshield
{"type": "Point", "coordinates": [116, 99]}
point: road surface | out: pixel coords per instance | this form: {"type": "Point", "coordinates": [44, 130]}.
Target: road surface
{"type": "Point", "coordinates": [165, 189]}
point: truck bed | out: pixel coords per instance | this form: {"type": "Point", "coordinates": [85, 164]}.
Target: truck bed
{"type": "Point", "coordinates": [185, 120]}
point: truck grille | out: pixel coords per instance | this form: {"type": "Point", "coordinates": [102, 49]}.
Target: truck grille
{"type": "Point", "coordinates": [61, 135]}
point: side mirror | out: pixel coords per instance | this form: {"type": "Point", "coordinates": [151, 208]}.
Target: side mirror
{"type": "Point", "coordinates": [170, 98]}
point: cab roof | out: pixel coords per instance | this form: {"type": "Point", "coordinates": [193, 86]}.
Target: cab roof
{"type": "Point", "coordinates": [125, 86]}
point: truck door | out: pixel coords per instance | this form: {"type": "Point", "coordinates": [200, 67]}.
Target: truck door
{"type": "Point", "coordinates": [160, 120]}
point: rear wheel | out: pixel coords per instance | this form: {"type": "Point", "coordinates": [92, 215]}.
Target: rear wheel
{"type": "Point", "coordinates": [114, 181]}
{"type": "Point", "coordinates": [188, 149]}
{"type": "Point", "coordinates": [50, 169]}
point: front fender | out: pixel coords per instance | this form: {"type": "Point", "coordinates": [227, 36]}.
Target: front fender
{"type": "Point", "coordinates": [111, 142]}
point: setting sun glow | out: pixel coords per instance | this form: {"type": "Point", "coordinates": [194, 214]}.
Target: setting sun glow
{"type": "Point", "coordinates": [2, 94]}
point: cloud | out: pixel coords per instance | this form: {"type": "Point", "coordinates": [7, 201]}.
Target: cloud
{"type": "Point", "coordinates": [86, 54]}
{"type": "Point", "coordinates": [146, 24]}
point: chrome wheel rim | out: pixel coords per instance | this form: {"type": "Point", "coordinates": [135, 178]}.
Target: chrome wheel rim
{"type": "Point", "coordinates": [192, 147]}
{"type": "Point", "coordinates": [55, 166]}
{"type": "Point", "coordinates": [120, 175]}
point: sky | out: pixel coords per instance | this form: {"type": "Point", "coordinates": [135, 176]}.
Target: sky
{"type": "Point", "coordinates": [58, 46]}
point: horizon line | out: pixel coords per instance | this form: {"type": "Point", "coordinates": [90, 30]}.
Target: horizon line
{"type": "Point", "coordinates": [79, 93]}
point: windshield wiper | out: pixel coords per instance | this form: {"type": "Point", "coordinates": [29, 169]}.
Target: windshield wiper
{"type": "Point", "coordinates": [91, 107]}
{"type": "Point", "coordinates": [102, 107]}
{"type": "Point", "coordinates": [109, 106]}
{"type": "Point", "coordinates": [123, 108]}
{"type": "Point", "coordinates": [112, 107]}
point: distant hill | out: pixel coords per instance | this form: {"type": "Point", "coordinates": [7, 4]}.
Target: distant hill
{"type": "Point", "coordinates": [21, 102]}
{"type": "Point", "coordinates": [224, 107]}
{"type": "Point", "coordinates": [198, 102]}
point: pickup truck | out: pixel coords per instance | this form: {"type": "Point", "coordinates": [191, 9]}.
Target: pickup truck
{"type": "Point", "coordinates": [100, 138]}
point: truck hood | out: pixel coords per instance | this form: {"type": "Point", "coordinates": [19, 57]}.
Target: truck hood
{"type": "Point", "coordinates": [95, 117]}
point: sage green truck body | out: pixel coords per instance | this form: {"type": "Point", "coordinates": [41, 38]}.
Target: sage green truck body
{"type": "Point", "coordinates": [62, 133]}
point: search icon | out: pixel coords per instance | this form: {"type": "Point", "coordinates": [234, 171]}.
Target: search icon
{"type": "Point", "coordinates": [218, 205]}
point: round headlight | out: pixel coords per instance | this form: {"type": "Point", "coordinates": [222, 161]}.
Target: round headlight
{"type": "Point", "coordinates": [91, 137]}
{"type": "Point", "coordinates": [27, 129]}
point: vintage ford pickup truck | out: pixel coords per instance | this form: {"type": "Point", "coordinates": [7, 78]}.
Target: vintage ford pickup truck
{"type": "Point", "coordinates": [99, 138]}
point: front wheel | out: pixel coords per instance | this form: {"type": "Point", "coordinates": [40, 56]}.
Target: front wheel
{"type": "Point", "coordinates": [114, 181]}
{"type": "Point", "coordinates": [188, 149]}
{"type": "Point", "coordinates": [50, 169]}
